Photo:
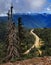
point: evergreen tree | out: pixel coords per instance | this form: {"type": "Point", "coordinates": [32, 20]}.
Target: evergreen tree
{"type": "Point", "coordinates": [21, 33]}
{"type": "Point", "coordinates": [20, 29]}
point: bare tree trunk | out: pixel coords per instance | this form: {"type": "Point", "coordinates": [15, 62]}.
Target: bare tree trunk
{"type": "Point", "coordinates": [12, 44]}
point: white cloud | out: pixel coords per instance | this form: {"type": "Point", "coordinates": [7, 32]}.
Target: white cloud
{"type": "Point", "coordinates": [4, 5]}
{"type": "Point", "coordinates": [48, 9]}
{"type": "Point", "coordinates": [2, 15]}
{"type": "Point", "coordinates": [22, 6]}
{"type": "Point", "coordinates": [30, 5]}
{"type": "Point", "coordinates": [37, 4]}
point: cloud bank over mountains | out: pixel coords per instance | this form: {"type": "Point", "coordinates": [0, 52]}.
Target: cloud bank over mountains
{"type": "Point", "coordinates": [25, 6]}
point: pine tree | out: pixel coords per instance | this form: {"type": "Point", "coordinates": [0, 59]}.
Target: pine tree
{"type": "Point", "coordinates": [20, 29]}
{"type": "Point", "coordinates": [21, 33]}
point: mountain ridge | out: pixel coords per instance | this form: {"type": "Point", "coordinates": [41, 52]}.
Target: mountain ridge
{"type": "Point", "coordinates": [32, 20]}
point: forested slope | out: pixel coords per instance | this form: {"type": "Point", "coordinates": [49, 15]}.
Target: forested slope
{"type": "Point", "coordinates": [27, 42]}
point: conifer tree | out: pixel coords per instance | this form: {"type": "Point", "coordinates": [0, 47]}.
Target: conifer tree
{"type": "Point", "coordinates": [21, 33]}
{"type": "Point", "coordinates": [20, 29]}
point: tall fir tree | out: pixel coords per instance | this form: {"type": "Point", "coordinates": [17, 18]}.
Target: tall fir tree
{"type": "Point", "coordinates": [21, 33]}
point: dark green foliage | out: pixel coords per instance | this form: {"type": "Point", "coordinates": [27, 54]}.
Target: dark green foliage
{"type": "Point", "coordinates": [27, 41]}
{"type": "Point", "coordinates": [3, 31]}
{"type": "Point", "coordinates": [45, 34]}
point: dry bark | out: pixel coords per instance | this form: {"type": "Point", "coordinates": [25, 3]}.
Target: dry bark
{"type": "Point", "coordinates": [12, 44]}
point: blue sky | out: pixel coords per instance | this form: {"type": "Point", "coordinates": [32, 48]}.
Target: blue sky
{"type": "Point", "coordinates": [26, 6]}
